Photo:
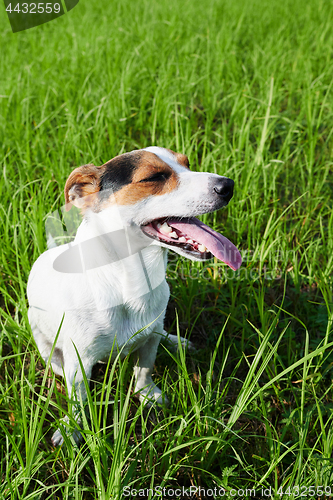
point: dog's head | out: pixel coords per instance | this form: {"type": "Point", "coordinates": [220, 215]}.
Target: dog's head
{"type": "Point", "coordinates": [155, 190]}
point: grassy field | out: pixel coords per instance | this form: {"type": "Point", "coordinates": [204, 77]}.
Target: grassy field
{"type": "Point", "coordinates": [244, 89]}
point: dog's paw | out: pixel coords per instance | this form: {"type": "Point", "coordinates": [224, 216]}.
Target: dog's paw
{"type": "Point", "coordinates": [151, 395]}
{"type": "Point", "coordinates": [58, 437]}
{"type": "Point", "coordinates": [171, 343]}
{"type": "Point", "coordinates": [187, 344]}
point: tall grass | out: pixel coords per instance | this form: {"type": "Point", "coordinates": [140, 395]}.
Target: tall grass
{"type": "Point", "coordinates": [244, 89]}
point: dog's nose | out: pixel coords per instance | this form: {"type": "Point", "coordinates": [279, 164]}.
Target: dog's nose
{"type": "Point", "coordinates": [224, 187]}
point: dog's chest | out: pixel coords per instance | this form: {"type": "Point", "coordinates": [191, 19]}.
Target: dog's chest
{"type": "Point", "coordinates": [128, 325]}
{"type": "Point", "coordinates": [140, 311]}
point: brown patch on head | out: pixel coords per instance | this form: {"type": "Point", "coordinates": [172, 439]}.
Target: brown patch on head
{"type": "Point", "coordinates": [180, 158]}
{"type": "Point", "coordinates": [124, 180]}
{"type": "Point", "coordinates": [150, 177]}
{"type": "Point", "coordinates": [82, 186]}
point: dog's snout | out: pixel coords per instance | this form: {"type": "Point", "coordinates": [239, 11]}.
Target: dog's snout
{"type": "Point", "coordinates": [225, 188]}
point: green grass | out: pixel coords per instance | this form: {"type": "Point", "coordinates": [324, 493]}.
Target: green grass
{"type": "Point", "coordinates": [244, 89]}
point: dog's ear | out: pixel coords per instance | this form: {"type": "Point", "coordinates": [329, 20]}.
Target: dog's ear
{"type": "Point", "coordinates": [180, 158]}
{"type": "Point", "coordinates": [82, 185]}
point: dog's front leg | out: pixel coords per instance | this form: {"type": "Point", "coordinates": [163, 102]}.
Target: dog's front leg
{"type": "Point", "coordinates": [77, 393]}
{"type": "Point", "coordinates": [144, 385]}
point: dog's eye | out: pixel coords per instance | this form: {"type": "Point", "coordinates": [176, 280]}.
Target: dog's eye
{"type": "Point", "coordinates": [158, 177]}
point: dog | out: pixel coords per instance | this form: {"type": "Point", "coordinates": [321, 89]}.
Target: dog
{"type": "Point", "coordinates": [108, 286]}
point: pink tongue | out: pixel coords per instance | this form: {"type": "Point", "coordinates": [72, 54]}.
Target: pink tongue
{"type": "Point", "coordinates": [216, 243]}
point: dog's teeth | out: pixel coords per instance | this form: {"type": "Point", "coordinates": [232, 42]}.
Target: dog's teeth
{"type": "Point", "coordinates": [158, 225]}
{"type": "Point", "coordinates": [165, 228]}
{"type": "Point", "coordinates": [202, 248]}
{"type": "Point", "coordinates": [174, 235]}
{"type": "Point", "coordinates": [182, 239]}
{"type": "Point", "coordinates": [190, 242]}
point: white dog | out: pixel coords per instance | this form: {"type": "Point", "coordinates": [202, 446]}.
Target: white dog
{"type": "Point", "coordinates": [109, 286]}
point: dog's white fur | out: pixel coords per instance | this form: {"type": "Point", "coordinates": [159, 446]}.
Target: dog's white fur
{"type": "Point", "coordinates": [106, 305]}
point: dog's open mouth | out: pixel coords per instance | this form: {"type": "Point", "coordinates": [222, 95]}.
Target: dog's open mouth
{"type": "Point", "coordinates": [194, 238]}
